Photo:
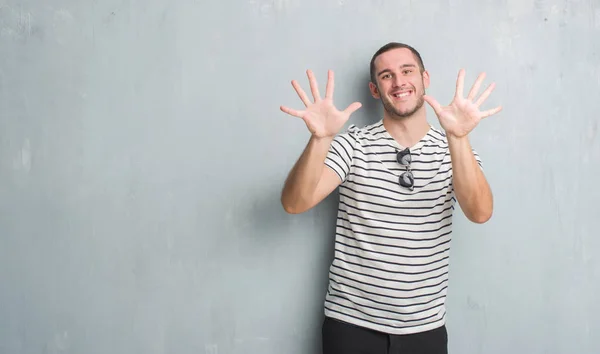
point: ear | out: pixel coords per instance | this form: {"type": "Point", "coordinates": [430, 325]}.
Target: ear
{"type": "Point", "coordinates": [374, 90]}
{"type": "Point", "coordinates": [426, 79]}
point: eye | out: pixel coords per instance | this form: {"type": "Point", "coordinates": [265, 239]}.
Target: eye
{"type": "Point", "coordinates": [408, 71]}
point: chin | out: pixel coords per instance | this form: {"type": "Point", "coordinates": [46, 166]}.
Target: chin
{"type": "Point", "coordinates": [408, 109]}
{"type": "Point", "coordinates": [404, 113]}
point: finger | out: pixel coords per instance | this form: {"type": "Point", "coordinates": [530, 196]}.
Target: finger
{"type": "Point", "coordinates": [476, 87]}
{"type": "Point", "coordinates": [433, 103]}
{"type": "Point", "coordinates": [485, 94]}
{"type": "Point", "coordinates": [330, 85]}
{"type": "Point", "coordinates": [352, 108]}
{"type": "Point", "coordinates": [292, 111]}
{"type": "Point", "coordinates": [301, 93]}
{"type": "Point", "coordinates": [314, 87]}
{"type": "Point", "coordinates": [460, 82]}
{"type": "Point", "coordinates": [491, 112]}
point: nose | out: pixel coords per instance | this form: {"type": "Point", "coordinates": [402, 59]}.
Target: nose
{"type": "Point", "coordinates": [398, 81]}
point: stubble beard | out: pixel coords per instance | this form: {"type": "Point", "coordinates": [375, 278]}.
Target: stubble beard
{"type": "Point", "coordinates": [395, 113]}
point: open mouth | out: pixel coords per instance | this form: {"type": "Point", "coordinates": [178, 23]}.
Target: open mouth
{"type": "Point", "coordinates": [402, 94]}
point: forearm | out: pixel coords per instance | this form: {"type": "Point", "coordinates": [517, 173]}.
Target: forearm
{"type": "Point", "coordinates": [471, 188]}
{"type": "Point", "coordinates": [302, 181]}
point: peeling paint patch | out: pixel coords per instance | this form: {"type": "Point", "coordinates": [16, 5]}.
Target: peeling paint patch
{"type": "Point", "coordinates": [23, 160]}
{"type": "Point", "coordinates": [211, 349]}
{"type": "Point", "coordinates": [504, 35]}
{"type": "Point", "coordinates": [14, 22]}
{"type": "Point", "coordinates": [272, 7]}
{"type": "Point", "coordinates": [62, 15]}
{"type": "Point", "coordinates": [58, 344]}
{"type": "Point", "coordinates": [519, 8]}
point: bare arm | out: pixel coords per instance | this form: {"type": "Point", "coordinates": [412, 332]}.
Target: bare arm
{"type": "Point", "coordinates": [458, 119]}
{"type": "Point", "coordinates": [470, 185]}
{"type": "Point", "coordinates": [310, 180]}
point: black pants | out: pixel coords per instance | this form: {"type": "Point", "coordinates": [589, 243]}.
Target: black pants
{"type": "Point", "coordinates": [343, 338]}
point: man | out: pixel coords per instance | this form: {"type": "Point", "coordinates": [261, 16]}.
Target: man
{"type": "Point", "coordinates": [399, 180]}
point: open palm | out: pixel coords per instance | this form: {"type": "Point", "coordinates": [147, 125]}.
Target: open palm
{"type": "Point", "coordinates": [462, 115]}
{"type": "Point", "coordinates": [321, 117]}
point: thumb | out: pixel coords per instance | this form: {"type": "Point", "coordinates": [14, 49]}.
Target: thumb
{"type": "Point", "coordinates": [433, 103]}
{"type": "Point", "coordinates": [352, 108]}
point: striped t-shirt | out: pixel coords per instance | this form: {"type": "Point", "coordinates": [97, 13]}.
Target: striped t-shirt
{"type": "Point", "coordinates": [390, 267]}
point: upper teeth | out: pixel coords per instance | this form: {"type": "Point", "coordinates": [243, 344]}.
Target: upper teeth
{"type": "Point", "coordinates": [403, 94]}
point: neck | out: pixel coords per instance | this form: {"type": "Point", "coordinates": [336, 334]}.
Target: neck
{"type": "Point", "coordinates": [407, 131]}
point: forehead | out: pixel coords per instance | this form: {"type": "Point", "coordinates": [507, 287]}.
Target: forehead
{"type": "Point", "coordinates": [395, 58]}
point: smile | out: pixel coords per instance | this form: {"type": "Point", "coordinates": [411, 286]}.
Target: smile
{"type": "Point", "coordinates": [402, 94]}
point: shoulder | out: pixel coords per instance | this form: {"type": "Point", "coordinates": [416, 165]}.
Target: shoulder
{"type": "Point", "coordinates": [436, 140]}
{"type": "Point", "coordinates": [365, 134]}
{"type": "Point", "coordinates": [437, 143]}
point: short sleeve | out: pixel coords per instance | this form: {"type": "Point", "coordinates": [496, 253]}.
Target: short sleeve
{"type": "Point", "coordinates": [477, 158]}
{"type": "Point", "coordinates": [341, 151]}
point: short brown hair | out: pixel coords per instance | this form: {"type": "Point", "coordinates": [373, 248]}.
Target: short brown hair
{"type": "Point", "coordinates": [390, 46]}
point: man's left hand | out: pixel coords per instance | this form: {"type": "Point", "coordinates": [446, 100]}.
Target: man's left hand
{"type": "Point", "coordinates": [462, 115]}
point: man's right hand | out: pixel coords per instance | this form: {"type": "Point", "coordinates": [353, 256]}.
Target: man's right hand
{"type": "Point", "coordinates": [322, 118]}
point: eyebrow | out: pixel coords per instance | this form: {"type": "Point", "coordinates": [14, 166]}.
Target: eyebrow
{"type": "Point", "coordinates": [402, 67]}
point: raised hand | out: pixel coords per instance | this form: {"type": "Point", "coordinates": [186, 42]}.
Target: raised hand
{"type": "Point", "coordinates": [462, 115]}
{"type": "Point", "coordinates": [321, 117]}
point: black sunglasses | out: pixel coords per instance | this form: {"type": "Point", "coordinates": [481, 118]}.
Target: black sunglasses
{"type": "Point", "coordinates": [407, 180]}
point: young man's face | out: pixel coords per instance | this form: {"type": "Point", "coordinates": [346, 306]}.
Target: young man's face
{"type": "Point", "coordinates": [400, 83]}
